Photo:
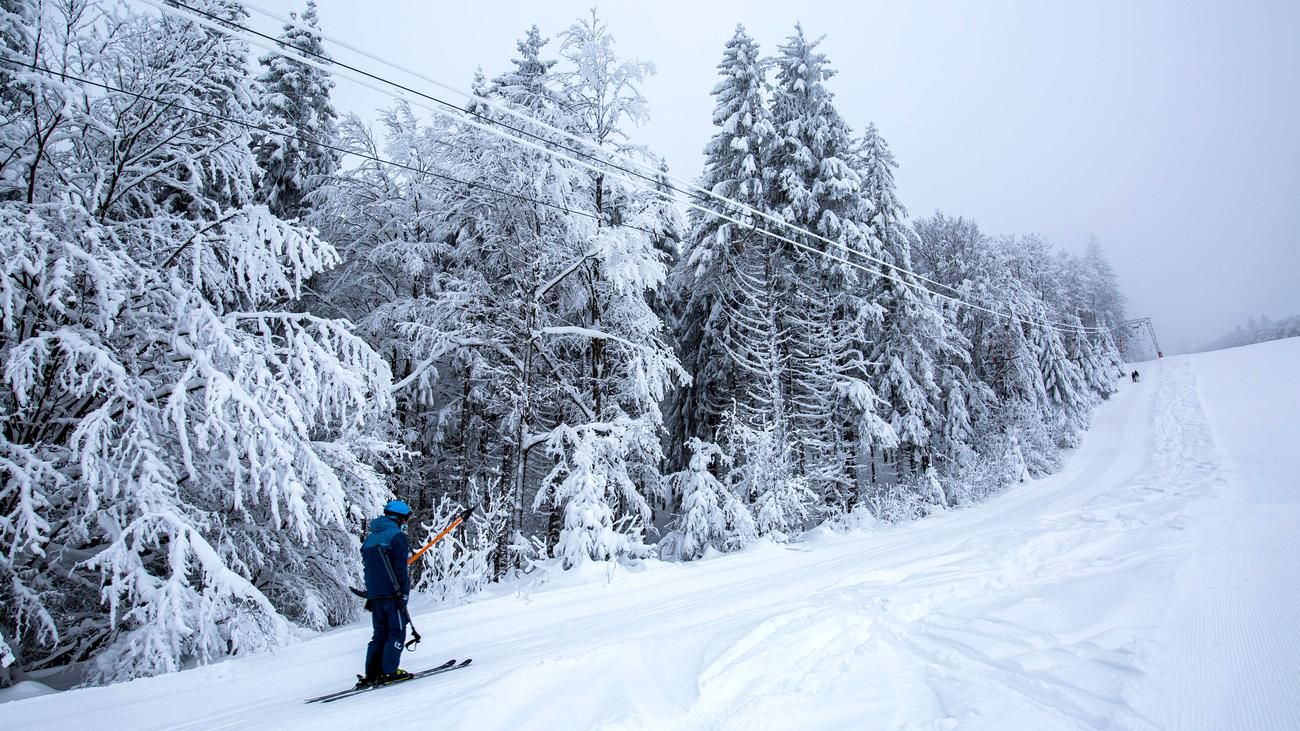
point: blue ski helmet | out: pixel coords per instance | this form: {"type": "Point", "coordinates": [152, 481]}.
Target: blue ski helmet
{"type": "Point", "coordinates": [398, 508]}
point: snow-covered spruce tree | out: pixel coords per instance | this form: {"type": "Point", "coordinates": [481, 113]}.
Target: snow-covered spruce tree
{"type": "Point", "coordinates": [184, 461]}
{"type": "Point", "coordinates": [294, 98]}
{"type": "Point", "coordinates": [1090, 352]}
{"type": "Point", "coordinates": [783, 501]}
{"type": "Point", "coordinates": [1063, 385]}
{"type": "Point", "coordinates": [1104, 306]}
{"type": "Point", "coordinates": [1046, 299]}
{"type": "Point", "coordinates": [1044, 375]}
{"type": "Point", "coordinates": [955, 252]}
{"type": "Point", "coordinates": [1258, 330]}
{"type": "Point", "coordinates": [953, 440]}
{"type": "Point", "coordinates": [705, 274]}
{"type": "Point", "coordinates": [912, 338]}
{"type": "Point", "coordinates": [712, 514]}
{"type": "Point", "coordinates": [756, 432]}
{"type": "Point", "coordinates": [952, 251]}
{"type": "Point", "coordinates": [1095, 300]}
{"type": "Point", "coordinates": [812, 184]}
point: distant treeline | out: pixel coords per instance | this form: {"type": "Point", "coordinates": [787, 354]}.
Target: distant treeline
{"type": "Point", "coordinates": [1259, 330]}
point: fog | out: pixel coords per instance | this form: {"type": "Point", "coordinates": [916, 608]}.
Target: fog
{"type": "Point", "coordinates": [1168, 130]}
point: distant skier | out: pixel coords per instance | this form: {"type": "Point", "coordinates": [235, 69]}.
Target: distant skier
{"type": "Point", "coordinates": [1135, 376]}
{"type": "Point", "coordinates": [388, 585]}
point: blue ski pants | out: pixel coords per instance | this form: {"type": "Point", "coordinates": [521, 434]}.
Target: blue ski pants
{"type": "Point", "coordinates": [385, 650]}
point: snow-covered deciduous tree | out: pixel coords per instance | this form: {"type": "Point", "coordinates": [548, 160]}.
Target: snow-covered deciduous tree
{"type": "Point", "coordinates": [18, 24]}
{"type": "Point", "coordinates": [603, 98]}
{"type": "Point", "coordinates": [184, 460]}
{"type": "Point", "coordinates": [514, 306]}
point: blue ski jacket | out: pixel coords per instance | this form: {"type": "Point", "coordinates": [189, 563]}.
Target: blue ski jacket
{"type": "Point", "coordinates": [384, 556]}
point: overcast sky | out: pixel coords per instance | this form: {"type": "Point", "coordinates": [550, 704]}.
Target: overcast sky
{"type": "Point", "coordinates": [1169, 130]}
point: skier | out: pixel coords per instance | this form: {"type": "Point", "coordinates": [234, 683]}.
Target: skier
{"type": "Point", "coordinates": [1135, 376]}
{"type": "Point", "coordinates": [388, 586]}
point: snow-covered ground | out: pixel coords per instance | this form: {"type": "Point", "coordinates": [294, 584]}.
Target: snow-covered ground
{"type": "Point", "coordinates": [1153, 583]}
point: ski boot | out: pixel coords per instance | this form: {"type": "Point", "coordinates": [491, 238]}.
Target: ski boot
{"type": "Point", "coordinates": [396, 676]}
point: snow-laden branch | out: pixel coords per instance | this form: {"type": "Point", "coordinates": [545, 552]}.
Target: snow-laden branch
{"type": "Point", "coordinates": [584, 332]}
{"type": "Point", "coordinates": [546, 287]}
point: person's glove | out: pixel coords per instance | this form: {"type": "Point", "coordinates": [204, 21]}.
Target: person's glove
{"type": "Point", "coordinates": [368, 609]}
{"type": "Point", "coordinates": [401, 601]}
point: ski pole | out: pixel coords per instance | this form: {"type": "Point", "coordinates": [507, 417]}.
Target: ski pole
{"type": "Point", "coordinates": [459, 519]}
{"type": "Point", "coordinates": [414, 642]}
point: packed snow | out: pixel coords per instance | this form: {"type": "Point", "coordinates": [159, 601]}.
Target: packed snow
{"type": "Point", "coordinates": [1151, 583]}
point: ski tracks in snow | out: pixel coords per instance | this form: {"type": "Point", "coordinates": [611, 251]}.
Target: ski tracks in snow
{"type": "Point", "coordinates": [1032, 612]}
{"type": "Point", "coordinates": [1230, 647]}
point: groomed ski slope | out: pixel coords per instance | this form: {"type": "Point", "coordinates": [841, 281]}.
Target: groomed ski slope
{"type": "Point", "coordinates": [1153, 583]}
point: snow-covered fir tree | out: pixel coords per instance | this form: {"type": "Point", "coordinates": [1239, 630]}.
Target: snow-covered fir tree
{"type": "Point", "coordinates": [812, 184]}
{"type": "Point", "coordinates": [294, 98]}
{"type": "Point", "coordinates": [712, 514]}
{"type": "Point", "coordinates": [907, 348]}
{"type": "Point", "coordinates": [708, 270]}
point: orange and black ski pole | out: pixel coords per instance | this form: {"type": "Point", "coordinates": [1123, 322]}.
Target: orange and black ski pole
{"type": "Point", "coordinates": [451, 527]}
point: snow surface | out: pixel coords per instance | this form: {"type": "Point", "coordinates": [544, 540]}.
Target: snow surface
{"type": "Point", "coordinates": [1152, 583]}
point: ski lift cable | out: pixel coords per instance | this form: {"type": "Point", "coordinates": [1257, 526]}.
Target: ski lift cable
{"type": "Point", "coordinates": [262, 40]}
{"type": "Point", "coordinates": [650, 175]}
{"type": "Point", "coordinates": [365, 156]}
{"type": "Point", "coordinates": [611, 158]}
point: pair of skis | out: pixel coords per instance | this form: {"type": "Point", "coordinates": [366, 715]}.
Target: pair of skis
{"type": "Point", "coordinates": [443, 668]}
